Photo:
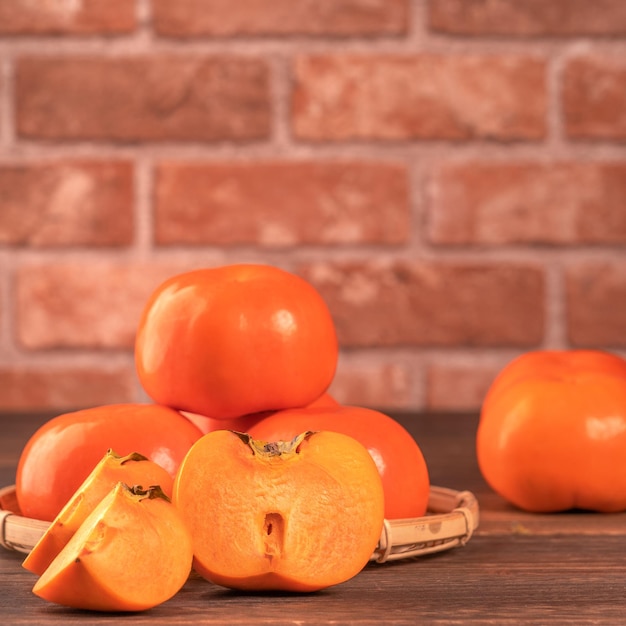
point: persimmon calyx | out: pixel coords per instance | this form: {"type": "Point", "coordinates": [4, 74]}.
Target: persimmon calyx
{"type": "Point", "coordinates": [152, 492]}
{"type": "Point", "coordinates": [268, 449]}
{"type": "Point", "coordinates": [133, 456]}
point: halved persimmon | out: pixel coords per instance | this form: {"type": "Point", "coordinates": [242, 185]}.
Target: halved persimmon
{"type": "Point", "coordinates": [131, 553]}
{"type": "Point", "coordinates": [132, 469]}
{"type": "Point", "coordinates": [296, 516]}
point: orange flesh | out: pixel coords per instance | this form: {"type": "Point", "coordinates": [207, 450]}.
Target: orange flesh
{"type": "Point", "coordinates": [114, 562]}
{"type": "Point", "coordinates": [131, 469]}
{"type": "Point", "coordinates": [296, 521]}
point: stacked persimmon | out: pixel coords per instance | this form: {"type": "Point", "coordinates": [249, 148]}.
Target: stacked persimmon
{"type": "Point", "coordinates": [273, 484]}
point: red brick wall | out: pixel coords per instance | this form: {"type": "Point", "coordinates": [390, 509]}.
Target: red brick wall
{"type": "Point", "coordinates": [451, 174]}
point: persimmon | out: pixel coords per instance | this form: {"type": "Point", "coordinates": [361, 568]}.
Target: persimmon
{"type": "Point", "coordinates": [132, 469]}
{"type": "Point", "coordinates": [246, 422]}
{"type": "Point", "coordinates": [323, 401]}
{"type": "Point", "coordinates": [62, 452]}
{"type": "Point", "coordinates": [300, 515]}
{"type": "Point", "coordinates": [397, 455]}
{"type": "Point", "coordinates": [233, 340]}
{"type": "Point", "coordinates": [208, 424]}
{"type": "Point", "coordinates": [132, 552]}
{"type": "Point", "coordinates": [552, 431]}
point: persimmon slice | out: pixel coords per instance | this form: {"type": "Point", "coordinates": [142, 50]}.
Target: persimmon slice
{"type": "Point", "coordinates": [297, 516]}
{"type": "Point", "coordinates": [133, 469]}
{"type": "Point", "coordinates": [132, 552]}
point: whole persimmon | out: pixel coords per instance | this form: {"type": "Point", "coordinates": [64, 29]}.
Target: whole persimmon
{"type": "Point", "coordinates": [132, 552]}
{"type": "Point", "coordinates": [300, 515]}
{"type": "Point", "coordinates": [552, 431]}
{"type": "Point", "coordinates": [246, 422]}
{"type": "Point", "coordinates": [60, 455]}
{"type": "Point", "coordinates": [233, 340]}
{"type": "Point", "coordinates": [209, 424]}
{"type": "Point", "coordinates": [132, 469]}
{"type": "Point", "coordinates": [397, 455]}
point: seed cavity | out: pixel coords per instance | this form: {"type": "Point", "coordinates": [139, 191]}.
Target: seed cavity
{"type": "Point", "coordinates": [274, 530]}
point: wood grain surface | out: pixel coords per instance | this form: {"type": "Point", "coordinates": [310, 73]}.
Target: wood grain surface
{"type": "Point", "coordinates": [568, 568]}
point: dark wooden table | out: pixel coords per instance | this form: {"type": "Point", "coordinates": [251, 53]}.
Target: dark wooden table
{"type": "Point", "coordinates": [518, 568]}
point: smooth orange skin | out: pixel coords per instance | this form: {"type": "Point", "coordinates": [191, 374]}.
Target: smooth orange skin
{"type": "Point", "coordinates": [397, 455]}
{"type": "Point", "coordinates": [60, 454]}
{"type": "Point", "coordinates": [130, 554]}
{"type": "Point", "coordinates": [299, 521]}
{"type": "Point", "coordinates": [552, 432]}
{"type": "Point", "coordinates": [234, 340]}
{"type": "Point", "coordinates": [209, 424]}
{"type": "Point", "coordinates": [244, 423]}
{"type": "Point", "coordinates": [110, 470]}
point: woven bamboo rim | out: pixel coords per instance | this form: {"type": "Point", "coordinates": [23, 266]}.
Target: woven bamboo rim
{"type": "Point", "coordinates": [452, 519]}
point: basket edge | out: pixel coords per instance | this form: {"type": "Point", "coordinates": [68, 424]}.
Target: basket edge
{"type": "Point", "coordinates": [454, 518]}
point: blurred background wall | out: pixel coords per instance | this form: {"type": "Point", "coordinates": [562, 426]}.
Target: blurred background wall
{"type": "Point", "coordinates": [450, 174]}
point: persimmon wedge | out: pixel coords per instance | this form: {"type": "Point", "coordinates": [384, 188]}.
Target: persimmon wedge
{"type": "Point", "coordinates": [132, 553]}
{"type": "Point", "coordinates": [132, 469]}
{"type": "Point", "coordinates": [299, 516]}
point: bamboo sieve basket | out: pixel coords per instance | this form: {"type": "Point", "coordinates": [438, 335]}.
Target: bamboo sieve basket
{"type": "Point", "coordinates": [451, 520]}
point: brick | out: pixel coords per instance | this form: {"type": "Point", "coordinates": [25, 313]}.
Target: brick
{"type": "Point", "coordinates": [84, 305]}
{"type": "Point", "coordinates": [185, 18]}
{"type": "Point", "coordinates": [458, 387]}
{"type": "Point", "coordinates": [528, 18]}
{"type": "Point", "coordinates": [376, 385]}
{"type": "Point", "coordinates": [377, 304]}
{"type": "Point", "coordinates": [143, 98]}
{"type": "Point", "coordinates": [68, 17]}
{"type": "Point", "coordinates": [64, 388]}
{"type": "Point", "coordinates": [69, 203]}
{"type": "Point", "coordinates": [594, 98]}
{"type": "Point", "coordinates": [281, 203]}
{"type": "Point", "coordinates": [596, 301]}
{"type": "Point", "coordinates": [563, 203]}
{"type": "Point", "coordinates": [392, 97]}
